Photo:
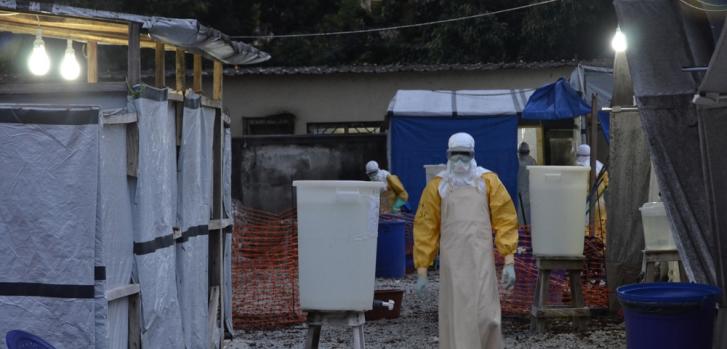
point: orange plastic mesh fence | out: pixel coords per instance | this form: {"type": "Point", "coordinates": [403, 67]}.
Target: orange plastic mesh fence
{"type": "Point", "coordinates": [518, 301]}
{"type": "Point", "coordinates": [265, 271]}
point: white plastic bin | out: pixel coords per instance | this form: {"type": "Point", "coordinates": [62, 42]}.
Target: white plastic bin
{"type": "Point", "coordinates": [432, 171]}
{"type": "Point", "coordinates": [657, 232]}
{"type": "Point", "coordinates": [337, 232]}
{"type": "Point", "coordinates": [557, 207]}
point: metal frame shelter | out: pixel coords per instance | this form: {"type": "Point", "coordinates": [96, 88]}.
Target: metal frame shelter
{"type": "Point", "coordinates": [183, 37]}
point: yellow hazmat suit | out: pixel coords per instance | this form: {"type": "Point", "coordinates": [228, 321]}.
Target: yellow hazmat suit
{"type": "Point", "coordinates": [463, 223]}
{"type": "Point", "coordinates": [394, 190]}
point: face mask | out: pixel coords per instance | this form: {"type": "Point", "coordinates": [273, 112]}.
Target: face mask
{"type": "Point", "coordinates": [583, 160]}
{"type": "Point", "coordinates": [461, 166]}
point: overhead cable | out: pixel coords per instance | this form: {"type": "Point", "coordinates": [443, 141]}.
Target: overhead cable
{"type": "Point", "coordinates": [404, 26]}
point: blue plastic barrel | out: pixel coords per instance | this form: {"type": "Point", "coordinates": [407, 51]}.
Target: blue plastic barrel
{"type": "Point", "coordinates": [390, 250]}
{"type": "Point", "coordinates": [669, 315]}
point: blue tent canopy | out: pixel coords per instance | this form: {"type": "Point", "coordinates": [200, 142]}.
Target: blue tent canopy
{"type": "Point", "coordinates": [422, 121]}
{"type": "Point", "coordinates": [604, 118]}
{"type": "Point", "coordinates": [554, 102]}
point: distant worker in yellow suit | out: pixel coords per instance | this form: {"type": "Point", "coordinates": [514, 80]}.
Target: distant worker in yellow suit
{"type": "Point", "coordinates": [458, 213]}
{"type": "Point", "coordinates": [583, 158]}
{"type": "Point", "coordinates": [395, 195]}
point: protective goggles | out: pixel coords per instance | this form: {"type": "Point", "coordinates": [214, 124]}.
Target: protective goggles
{"type": "Point", "coordinates": [461, 156]}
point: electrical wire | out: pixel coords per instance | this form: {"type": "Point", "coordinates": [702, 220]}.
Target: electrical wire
{"type": "Point", "coordinates": [685, 2]}
{"type": "Point", "coordinates": [405, 26]}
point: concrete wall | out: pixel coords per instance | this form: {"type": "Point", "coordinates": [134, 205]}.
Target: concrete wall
{"type": "Point", "coordinates": [358, 97]}
{"type": "Point", "coordinates": [269, 164]}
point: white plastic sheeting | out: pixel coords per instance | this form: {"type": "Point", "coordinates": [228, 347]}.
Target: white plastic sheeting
{"type": "Point", "coordinates": [154, 206]}
{"type": "Point", "coordinates": [193, 216]}
{"type": "Point", "coordinates": [49, 185]}
{"type": "Point", "coordinates": [227, 203]}
{"type": "Point", "coordinates": [116, 227]}
{"type": "Point", "coordinates": [183, 33]}
{"type": "Point", "coordinates": [459, 103]}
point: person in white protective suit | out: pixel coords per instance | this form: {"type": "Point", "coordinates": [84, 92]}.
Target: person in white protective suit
{"type": "Point", "coordinates": [460, 211]}
{"type": "Point", "coordinates": [583, 158]}
{"type": "Point", "coordinates": [395, 196]}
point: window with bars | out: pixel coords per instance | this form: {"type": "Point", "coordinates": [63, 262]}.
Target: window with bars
{"type": "Point", "coordinates": [328, 128]}
{"type": "Point", "coordinates": [283, 123]}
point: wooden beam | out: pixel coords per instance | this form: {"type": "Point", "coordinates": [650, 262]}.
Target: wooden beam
{"type": "Point", "coordinates": [121, 292]}
{"type": "Point", "coordinates": [102, 32]}
{"type": "Point", "coordinates": [594, 173]}
{"type": "Point", "coordinates": [217, 224]}
{"type": "Point", "coordinates": [120, 118]}
{"type": "Point", "coordinates": [181, 70]}
{"type": "Point", "coordinates": [160, 71]}
{"type": "Point", "coordinates": [213, 306]}
{"type": "Point", "coordinates": [64, 22]}
{"type": "Point", "coordinates": [217, 81]}
{"type": "Point", "coordinates": [61, 88]}
{"type": "Point", "coordinates": [197, 77]}
{"type": "Point", "coordinates": [212, 103]}
{"type": "Point", "coordinates": [132, 149]}
{"type": "Point", "coordinates": [216, 237]}
{"type": "Point", "coordinates": [175, 96]}
{"type": "Point", "coordinates": [133, 75]}
{"type": "Point", "coordinates": [220, 130]}
{"type": "Point", "coordinates": [134, 322]}
{"type": "Point", "coordinates": [63, 34]}
{"type": "Point", "coordinates": [92, 62]}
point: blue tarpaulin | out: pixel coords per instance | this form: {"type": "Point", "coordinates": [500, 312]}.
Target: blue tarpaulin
{"type": "Point", "coordinates": [604, 118]}
{"type": "Point", "coordinates": [555, 101]}
{"type": "Point", "coordinates": [418, 141]}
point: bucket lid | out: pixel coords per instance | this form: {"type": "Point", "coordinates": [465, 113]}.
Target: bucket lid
{"type": "Point", "coordinates": [340, 184]}
{"type": "Point", "coordinates": [559, 168]}
{"type": "Point", "coordinates": [667, 293]}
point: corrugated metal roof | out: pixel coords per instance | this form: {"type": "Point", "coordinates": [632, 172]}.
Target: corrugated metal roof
{"type": "Point", "coordinates": [353, 69]}
{"type": "Point", "coordinates": [183, 33]}
{"type": "Point", "coordinates": [395, 68]}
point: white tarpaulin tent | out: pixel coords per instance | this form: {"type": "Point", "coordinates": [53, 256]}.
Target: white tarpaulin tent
{"type": "Point", "coordinates": [459, 102]}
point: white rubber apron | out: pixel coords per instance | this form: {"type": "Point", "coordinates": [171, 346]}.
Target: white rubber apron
{"type": "Point", "coordinates": [469, 305]}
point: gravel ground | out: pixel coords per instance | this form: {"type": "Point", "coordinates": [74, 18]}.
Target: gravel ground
{"type": "Point", "coordinates": [417, 328]}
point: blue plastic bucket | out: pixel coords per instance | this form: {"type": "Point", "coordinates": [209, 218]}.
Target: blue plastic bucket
{"type": "Point", "coordinates": [390, 250]}
{"type": "Point", "coordinates": [669, 315]}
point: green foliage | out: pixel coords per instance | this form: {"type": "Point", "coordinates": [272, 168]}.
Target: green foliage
{"type": "Point", "coordinates": [563, 30]}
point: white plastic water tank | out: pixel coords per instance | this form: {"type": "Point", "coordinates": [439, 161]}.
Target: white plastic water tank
{"type": "Point", "coordinates": [432, 171]}
{"type": "Point", "coordinates": [657, 231]}
{"type": "Point", "coordinates": [557, 207]}
{"type": "Point", "coordinates": [337, 232]}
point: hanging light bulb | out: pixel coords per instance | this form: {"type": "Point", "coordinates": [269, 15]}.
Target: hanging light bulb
{"type": "Point", "coordinates": [618, 43]}
{"type": "Point", "coordinates": [70, 70]}
{"type": "Point", "coordinates": [38, 62]}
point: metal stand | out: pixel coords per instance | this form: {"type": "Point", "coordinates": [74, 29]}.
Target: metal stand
{"type": "Point", "coordinates": [355, 320]}
{"type": "Point", "coordinates": [541, 311]}
{"type": "Point", "coordinates": [654, 273]}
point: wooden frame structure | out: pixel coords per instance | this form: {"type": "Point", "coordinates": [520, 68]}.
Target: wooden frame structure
{"type": "Point", "coordinates": [95, 32]}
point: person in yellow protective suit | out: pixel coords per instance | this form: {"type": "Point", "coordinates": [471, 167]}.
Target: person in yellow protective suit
{"type": "Point", "coordinates": [395, 196]}
{"type": "Point", "coordinates": [583, 158]}
{"type": "Point", "coordinates": [458, 213]}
